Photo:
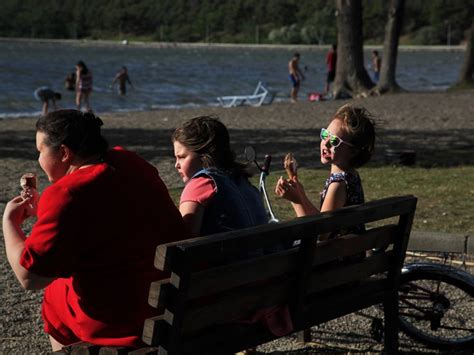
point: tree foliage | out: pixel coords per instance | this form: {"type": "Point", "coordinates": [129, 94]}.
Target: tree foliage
{"type": "Point", "coordinates": [238, 21]}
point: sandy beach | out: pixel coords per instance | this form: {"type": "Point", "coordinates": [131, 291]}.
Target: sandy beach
{"type": "Point", "coordinates": [438, 126]}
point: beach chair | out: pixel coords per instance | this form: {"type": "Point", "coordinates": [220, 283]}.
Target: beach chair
{"type": "Point", "coordinates": [256, 99]}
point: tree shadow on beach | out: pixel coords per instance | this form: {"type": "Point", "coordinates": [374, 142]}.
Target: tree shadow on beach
{"type": "Point", "coordinates": [433, 148]}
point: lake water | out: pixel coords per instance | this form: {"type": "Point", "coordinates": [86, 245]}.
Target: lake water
{"type": "Point", "coordinates": [174, 77]}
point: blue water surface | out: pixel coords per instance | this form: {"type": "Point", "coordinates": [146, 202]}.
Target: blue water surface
{"type": "Point", "coordinates": [175, 77]}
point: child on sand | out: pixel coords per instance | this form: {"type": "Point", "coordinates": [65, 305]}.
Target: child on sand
{"type": "Point", "coordinates": [70, 81]}
{"type": "Point", "coordinates": [346, 144]}
{"type": "Point", "coordinates": [45, 95]}
{"type": "Point", "coordinates": [217, 196]}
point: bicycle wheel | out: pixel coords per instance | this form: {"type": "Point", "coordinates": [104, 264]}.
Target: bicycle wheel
{"type": "Point", "coordinates": [436, 305]}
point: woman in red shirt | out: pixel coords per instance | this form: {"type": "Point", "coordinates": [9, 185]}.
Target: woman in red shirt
{"type": "Point", "coordinates": [93, 245]}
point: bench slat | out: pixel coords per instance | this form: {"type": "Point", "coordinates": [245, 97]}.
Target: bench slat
{"type": "Point", "coordinates": [156, 331]}
{"type": "Point", "coordinates": [333, 303]}
{"type": "Point", "coordinates": [235, 304]}
{"type": "Point", "coordinates": [80, 348]}
{"type": "Point", "coordinates": [106, 350]}
{"type": "Point", "coordinates": [159, 290]}
{"type": "Point", "coordinates": [145, 351]}
{"type": "Point", "coordinates": [224, 339]}
{"type": "Point", "coordinates": [169, 256]}
{"type": "Point", "coordinates": [233, 337]}
{"type": "Point", "coordinates": [222, 278]}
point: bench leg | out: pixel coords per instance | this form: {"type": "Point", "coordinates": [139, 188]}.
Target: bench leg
{"type": "Point", "coordinates": [304, 336]}
{"type": "Point", "coordinates": [390, 309]}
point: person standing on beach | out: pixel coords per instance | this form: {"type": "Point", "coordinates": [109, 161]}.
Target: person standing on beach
{"type": "Point", "coordinates": [93, 244]}
{"type": "Point", "coordinates": [122, 78]}
{"type": "Point", "coordinates": [331, 60]}
{"type": "Point", "coordinates": [45, 94]}
{"type": "Point", "coordinates": [376, 65]}
{"type": "Point", "coordinates": [83, 85]}
{"type": "Point", "coordinates": [295, 76]}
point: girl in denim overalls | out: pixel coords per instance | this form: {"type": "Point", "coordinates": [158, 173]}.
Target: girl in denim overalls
{"type": "Point", "coordinates": [217, 196]}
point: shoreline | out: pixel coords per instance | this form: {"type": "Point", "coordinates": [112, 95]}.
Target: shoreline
{"type": "Point", "coordinates": [23, 115]}
{"type": "Point", "coordinates": [153, 44]}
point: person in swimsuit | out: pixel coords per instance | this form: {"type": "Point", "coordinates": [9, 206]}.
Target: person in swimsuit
{"type": "Point", "coordinates": [376, 65]}
{"type": "Point", "coordinates": [295, 76]}
{"type": "Point", "coordinates": [122, 78]}
{"type": "Point", "coordinates": [331, 60]}
{"type": "Point", "coordinates": [70, 81]}
{"type": "Point", "coordinates": [83, 85]}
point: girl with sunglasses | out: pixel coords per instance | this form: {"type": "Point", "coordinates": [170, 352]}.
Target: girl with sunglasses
{"type": "Point", "coordinates": [346, 144]}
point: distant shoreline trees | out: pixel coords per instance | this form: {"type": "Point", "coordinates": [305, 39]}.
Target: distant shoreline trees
{"type": "Point", "coordinates": [227, 21]}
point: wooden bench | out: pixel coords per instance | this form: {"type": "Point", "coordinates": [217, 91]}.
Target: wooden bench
{"type": "Point", "coordinates": [213, 290]}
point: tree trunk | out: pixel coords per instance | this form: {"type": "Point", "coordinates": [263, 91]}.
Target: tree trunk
{"type": "Point", "coordinates": [351, 76]}
{"type": "Point", "coordinates": [466, 74]}
{"type": "Point", "coordinates": [393, 28]}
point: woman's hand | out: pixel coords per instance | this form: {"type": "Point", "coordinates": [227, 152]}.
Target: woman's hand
{"type": "Point", "coordinates": [17, 210]}
{"type": "Point", "coordinates": [289, 189]}
{"type": "Point", "coordinates": [31, 195]}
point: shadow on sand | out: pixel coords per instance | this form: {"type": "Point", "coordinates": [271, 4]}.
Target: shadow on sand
{"type": "Point", "coordinates": [433, 148]}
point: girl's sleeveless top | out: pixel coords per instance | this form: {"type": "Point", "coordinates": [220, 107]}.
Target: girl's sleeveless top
{"type": "Point", "coordinates": [354, 195]}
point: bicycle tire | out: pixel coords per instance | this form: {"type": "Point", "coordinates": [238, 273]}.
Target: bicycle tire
{"type": "Point", "coordinates": [432, 321]}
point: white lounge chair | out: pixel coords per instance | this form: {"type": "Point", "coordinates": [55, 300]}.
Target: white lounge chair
{"type": "Point", "coordinates": [256, 99]}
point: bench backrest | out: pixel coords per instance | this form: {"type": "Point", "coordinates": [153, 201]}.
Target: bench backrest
{"type": "Point", "coordinates": [213, 289]}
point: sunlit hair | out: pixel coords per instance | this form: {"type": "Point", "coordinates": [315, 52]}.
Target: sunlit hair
{"type": "Point", "coordinates": [208, 137]}
{"type": "Point", "coordinates": [359, 126]}
{"type": "Point", "coordinates": [79, 131]}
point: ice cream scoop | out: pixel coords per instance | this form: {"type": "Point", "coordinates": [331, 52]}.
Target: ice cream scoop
{"type": "Point", "coordinates": [290, 165]}
{"type": "Point", "coordinates": [29, 183]}
{"type": "Point", "coordinates": [28, 180]}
